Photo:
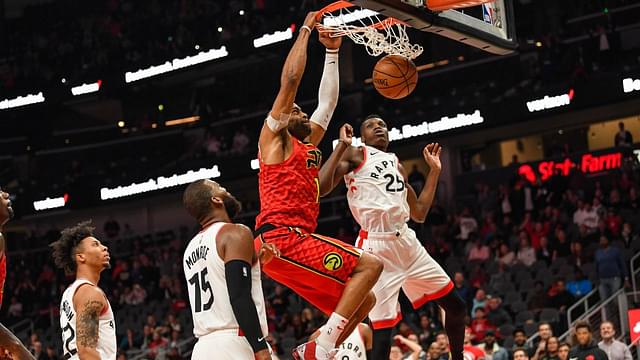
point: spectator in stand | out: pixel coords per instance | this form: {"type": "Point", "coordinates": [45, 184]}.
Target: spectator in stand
{"type": "Point", "coordinates": [50, 354]}
{"type": "Point", "coordinates": [433, 351]}
{"type": "Point", "coordinates": [561, 247]}
{"type": "Point", "coordinates": [138, 295]}
{"type": "Point", "coordinates": [240, 141]}
{"type": "Point", "coordinates": [492, 350]}
{"type": "Point", "coordinates": [586, 215]}
{"type": "Point", "coordinates": [471, 352]}
{"type": "Point", "coordinates": [563, 351]}
{"type": "Point", "coordinates": [615, 350]}
{"type": "Point", "coordinates": [628, 236]}
{"type": "Point", "coordinates": [520, 341]}
{"type": "Point", "coordinates": [520, 354]}
{"type": "Point", "coordinates": [623, 137]}
{"type": "Point", "coordinates": [443, 343]}
{"type": "Point", "coordinates": [465, 292]}
{"type": "Point", "coordinates": [497, 315]}
{"type": "Point", "coordinates": [428, 331]}
{"type": "Point", "coordinates": [580, 286]}
{"type": "Point", "coordinates": [544, 251]}
{"type": "Point", "coordinates": [467, 223]}
{"type": "Point", "coordinates": [158, 343]}
{"type": "Point", "coordinates": [577, 257]}
{"type": "Point", "coordinates": [559, 297]}
{"type": "Point", "coordinates": [480, 325]}
{"type": "Point", "coordinates": [505, 255]}
{"type": "Point", "coordinates": [551, 349]}
{"type": "Point", "coordinates": [415, 350]}
{"type": "Point", "coordinates": [526, 254]}
{"type": "Point", "coordinates": [479, 300]}
{"type": "Point", "coordinates": [545, 333]}
{"type": "Point", "coordinates": [478, 252]}
{"type": "Point", "coordinates": [611, 269]}
{"type": "Point", "coordinates": [585, 348]}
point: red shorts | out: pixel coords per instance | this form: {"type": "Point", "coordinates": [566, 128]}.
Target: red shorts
{"type": "Point", "coordinates": [316, 267]}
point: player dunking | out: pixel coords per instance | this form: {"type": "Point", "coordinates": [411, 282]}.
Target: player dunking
{"type": "Point", "coordinates": [86, 319]}
{"type": "Point", "coordinates": [382, 201]}
{"type": "Point", "coordinates": [223, 276]}
{"type": "Point", "coordinates": [333, 276]}
{"type": "Point", "coordinates": [9, 343]}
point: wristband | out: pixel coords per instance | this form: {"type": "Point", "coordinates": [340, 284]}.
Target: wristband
{"type": "Point", "coordinates": [332, 51]}
{"type": "Point", "coordinates": [305, 27]}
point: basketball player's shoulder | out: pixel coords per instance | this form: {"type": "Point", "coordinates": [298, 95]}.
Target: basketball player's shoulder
{"type": "Point", "coordinates": [87, 294]}
{"type": "Point", "coordinates": [231, 231]}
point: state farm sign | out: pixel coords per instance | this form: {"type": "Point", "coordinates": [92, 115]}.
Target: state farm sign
{"type": "Point", "coordinates": [587, 163]}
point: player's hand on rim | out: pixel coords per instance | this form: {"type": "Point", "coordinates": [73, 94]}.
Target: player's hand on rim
{"type": "Point", "coordinates": [310, 21]}
{"type": "Point", "coordinates": [346, 134]}
{"type": "Point", "coordinates": [267, 253]}
{"type": "Point", "coordinates": [330, 42]}
{"type": "Point", "coordinates": [431, 154]}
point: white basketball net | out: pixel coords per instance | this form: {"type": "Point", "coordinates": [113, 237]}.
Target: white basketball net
{"type": "Point", "coordinates": [378, 36]}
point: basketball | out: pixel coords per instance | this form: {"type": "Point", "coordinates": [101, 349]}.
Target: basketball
{"type": "Point", "coordinates": [395, 76]}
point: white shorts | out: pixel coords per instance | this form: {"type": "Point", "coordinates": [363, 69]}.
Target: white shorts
{"type": "Point", "coordinates": [222, 345]}
{"type": "Point", "coordinates": [407, 265]}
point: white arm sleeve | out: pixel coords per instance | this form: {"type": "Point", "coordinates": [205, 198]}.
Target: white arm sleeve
{"type": "Point", "coordinates": [278, 124]}
{"type": "Point", "coordinates": [328, 92]}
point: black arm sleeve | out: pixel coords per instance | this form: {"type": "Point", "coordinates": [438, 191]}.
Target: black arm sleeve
{"type": "Point", "coordinates": [238, 275]}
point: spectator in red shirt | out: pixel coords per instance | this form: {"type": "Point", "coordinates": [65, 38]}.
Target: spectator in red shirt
{"type": "Point", "coordinates": [480, 325]}
{"type": "Point", "coordinates": [614, 222]}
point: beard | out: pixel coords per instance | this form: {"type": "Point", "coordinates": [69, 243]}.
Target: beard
{"type": "Point", "coordinates": [232, 206]}
{"type": "Point", "coordinates": [299, 130]}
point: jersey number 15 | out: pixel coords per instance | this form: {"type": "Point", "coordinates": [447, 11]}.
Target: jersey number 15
{"type": "Point", "coordinates": [201, 283]}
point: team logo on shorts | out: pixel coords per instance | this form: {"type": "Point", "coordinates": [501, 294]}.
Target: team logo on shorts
{"type": "Point", "coordinates": [332, 261]}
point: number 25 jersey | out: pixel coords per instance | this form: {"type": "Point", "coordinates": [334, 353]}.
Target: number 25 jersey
{"type": "Point", "coordinates": [377, 193]}
{"type": "Point", "coordinates": [208, 295]}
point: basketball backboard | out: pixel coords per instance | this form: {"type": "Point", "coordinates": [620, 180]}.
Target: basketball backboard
{"type": "Point", "coordinates": [489, 26]}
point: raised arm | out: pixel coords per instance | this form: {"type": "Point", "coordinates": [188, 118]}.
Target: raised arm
{"type": "Point", "coordinates": [339, 162]}
{"type": "Point", "coordinates": [420, 205]}
{"type": "Point", "coordinates": [89, 302]}
{"type": "Point", "coordinates": [238, 254]}
{"type": "Point", "coordinates": [274, 128]}
{"type": "Point", "coordinates": [329, 89]}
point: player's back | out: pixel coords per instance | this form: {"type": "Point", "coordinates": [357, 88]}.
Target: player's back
{"type": "Point", "coordinates": [204, 270]}
{"type": "Point", "coordinates": [377, 194]}
{"type": "Point", "coordinates": [353, 348]}
{"type": "Point", "coordinates": [289, 191]}
{"type": "Point", "coordinates": [106, 329]}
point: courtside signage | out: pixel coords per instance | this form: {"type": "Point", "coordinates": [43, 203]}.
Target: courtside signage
{"type": "Point", "coordinates": [176, 64]}
{"type": "Point", "coordinates": [630, 85]}
{"type": "Point", "coordinates": [268, 39]}
{"type": "Point", "coordinates": [21, 101]}
{"type": "Point", "coordinates": [550, 102]}
{"type": "Point", "coordinates": [86, 88]}
{"type": "Point", "coordinates": [159, 183]}
{"type": "Point", "coordinates": [50, 203]}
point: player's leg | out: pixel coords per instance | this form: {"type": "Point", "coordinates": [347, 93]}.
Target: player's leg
{"type": "Point", "coordinates": [224, 346]}
{"type": "Point", "coordinates": [359, 316]}
{"type": "Point", "coordinates": [427, 281]}
{"type": "Point", "coordinates": [381, 344]}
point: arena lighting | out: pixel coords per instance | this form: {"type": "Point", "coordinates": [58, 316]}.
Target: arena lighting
{"type": "Point", "coordinates": [630, 85]}
{"type": "Point", "coordinates": [548, 102]}
{"type": "Point", "coordinates": [445, 123]}
{"type": "Point", "coordinates": [21, 101]}
{"type": "Point", "coordinates": [86, 88]}
{"type": "Point", "coordinates": [588, 164]}
{"type": "Point", "coordinates": [176, 64]}
{"type": "Point", "coordinates": [49, 203]}
{"type": "Point", "coordinates": [159, 183]}
{"type": "Point", "coordinates": [268, 39]}
{"type": "Point", "coordinates": [255, 164]}
{"type": "Point", "coordinates": [182, 121]}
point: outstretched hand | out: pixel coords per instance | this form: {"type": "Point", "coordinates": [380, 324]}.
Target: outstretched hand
{"type": "Point", "coordinates": [431, 154]}
{"type": "Point", "coordinates": [346, 134]}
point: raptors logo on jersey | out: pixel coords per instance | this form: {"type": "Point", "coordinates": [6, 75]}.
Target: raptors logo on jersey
{"type": "Point", "coordinates": [208, 295]}
{"type": "Point", "coordinates": [106, 326]}
{"type": "Point", "coordinates": [353, 348]}
{"type": "Point", "coordinates": [377, 192]}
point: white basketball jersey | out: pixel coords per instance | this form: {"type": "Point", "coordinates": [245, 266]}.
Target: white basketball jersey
{"type": "Point", "coordinates": [377, 193]}
{"type": "Point", "coordinates": [207, 283]}
{"type": "Point", "coordinates": [353, 347]}
{"type": "Point", "coordinates": [106, 329]}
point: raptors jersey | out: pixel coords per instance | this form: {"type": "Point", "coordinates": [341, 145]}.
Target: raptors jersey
{"type": "Point", "coordinates": [106, 328]}
{"type": "Point", "coordinates": [353, 347]}
{"type": "Point", "coordinates": [290, 191]}
{"type": "Point", "coordinates": [208, 295]}
{"type": "Point", "coordinates": [377, 193]}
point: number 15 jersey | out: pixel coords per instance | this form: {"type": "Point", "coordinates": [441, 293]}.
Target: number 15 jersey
{"type": "Point", "coordinates": [208, 295]}
{"type": "Point", "coordinates": [377, 193]}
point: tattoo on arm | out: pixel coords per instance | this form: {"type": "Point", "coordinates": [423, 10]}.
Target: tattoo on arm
{"type": "Point", "coordinates": [88, 322]}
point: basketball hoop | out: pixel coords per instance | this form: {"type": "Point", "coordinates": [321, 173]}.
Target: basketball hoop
{"type": "Point", "coordinates": [365, 27]}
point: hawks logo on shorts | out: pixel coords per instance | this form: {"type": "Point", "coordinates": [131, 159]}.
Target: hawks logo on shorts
{"type": "Point", "coordinates": [332, 261]}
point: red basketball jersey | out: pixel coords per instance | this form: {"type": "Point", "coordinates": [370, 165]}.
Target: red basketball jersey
{"type": "Point", "coordinates": [290, 191]}
{"type": "Point", "coordinates": [3, 275]}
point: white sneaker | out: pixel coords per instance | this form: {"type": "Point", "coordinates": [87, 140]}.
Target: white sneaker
{"type": "Point", "coordinates": [312, 351]}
